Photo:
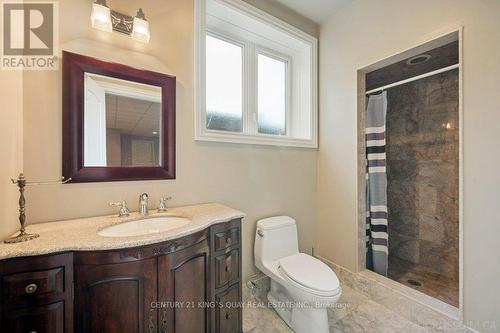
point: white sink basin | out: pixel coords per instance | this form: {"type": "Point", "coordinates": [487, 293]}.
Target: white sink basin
{"type": "Point", "coordinates": [146, 226]}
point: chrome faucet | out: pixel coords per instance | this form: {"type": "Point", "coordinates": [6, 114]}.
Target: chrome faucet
{"type": "Point", "coordinates": [143, 204]}
{"type": "Point", "coordinates": [124, 212]}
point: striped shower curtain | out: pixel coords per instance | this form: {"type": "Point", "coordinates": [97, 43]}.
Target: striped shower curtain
{"type": "Point", "coordinates": [376, 185]}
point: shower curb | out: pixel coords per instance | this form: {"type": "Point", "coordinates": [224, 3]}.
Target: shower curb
{"type": "Point", "coordinates": [406, 306]}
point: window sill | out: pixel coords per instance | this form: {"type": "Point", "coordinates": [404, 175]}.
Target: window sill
{"type": "Point", "coordinates": [266, 140]}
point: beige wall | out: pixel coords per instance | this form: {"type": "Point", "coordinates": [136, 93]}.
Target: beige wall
{"type": "Point", "coordinates": [367, 31]}
{"type": "Point", "coordinates": [113, 147]}
{"type": "Point", "coordinates": [286, 14]}
{"type": "Point", "coordinates": [11, 146]}
{"type": "Point", "coordinates": [260, 181]}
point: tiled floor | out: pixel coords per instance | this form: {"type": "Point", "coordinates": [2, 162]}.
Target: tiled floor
{"type": "Point", "coordinates": [436, 285]}
{"type": "Point", "coordinates": [353, 313]}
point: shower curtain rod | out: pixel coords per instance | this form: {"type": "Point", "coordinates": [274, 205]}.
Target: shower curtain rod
{"type": "Point", "coordinates": [418, 77]}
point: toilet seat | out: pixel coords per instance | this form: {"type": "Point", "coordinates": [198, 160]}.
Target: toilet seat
{"type": "Point", "coordinates": [309, 274]}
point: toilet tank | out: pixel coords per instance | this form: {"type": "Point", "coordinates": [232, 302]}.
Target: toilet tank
{"type": "Point", "coordinates": [275, 238]}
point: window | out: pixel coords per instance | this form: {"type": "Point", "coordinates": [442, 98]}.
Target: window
{"type": "Point", "coordinates": [224, 85]}
{"type": "Point", "coordinates": [272, 84]}
{"type": "Point", "coordinates": [256, 77]}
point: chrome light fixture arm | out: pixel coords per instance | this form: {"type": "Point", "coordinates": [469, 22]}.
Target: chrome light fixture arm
{"type": "Point", "coordinates": [106, 19]}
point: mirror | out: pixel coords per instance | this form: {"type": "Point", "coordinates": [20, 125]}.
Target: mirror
{"type": "Point", "coordinates": [122, 123]}
{"type": "Point", "coordinates": [118, 121]}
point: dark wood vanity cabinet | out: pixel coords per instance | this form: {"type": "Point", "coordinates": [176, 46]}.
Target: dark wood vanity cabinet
{"type": "Point", "coordinates": [37, 294]}
{"type": "Point", "coordinates": [187, 285]}
{"type": "Point", "coordinates": [226, 277]}
{"type": "Point", "coordinates": [115, 297]}
{"type": "Point", "coordinates": [183, 290]}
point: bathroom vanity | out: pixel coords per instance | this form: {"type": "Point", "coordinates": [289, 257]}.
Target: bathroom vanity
{"type": "Point", "coordinates": [71, 279]}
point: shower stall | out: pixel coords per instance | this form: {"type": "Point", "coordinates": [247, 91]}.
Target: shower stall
{"type": "Point", "coordinates": [412, 170]}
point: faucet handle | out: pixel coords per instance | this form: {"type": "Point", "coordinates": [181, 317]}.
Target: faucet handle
{"type": "Point", "coordinates": [124, 211]}
{"type": "Point", "coordinates": [162, 207]}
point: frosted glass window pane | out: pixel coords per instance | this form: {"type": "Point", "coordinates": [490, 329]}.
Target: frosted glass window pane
{"type": "Point", "coordinates": [271, 95]}
{"type": "Point", "coordinates": [224, 75]}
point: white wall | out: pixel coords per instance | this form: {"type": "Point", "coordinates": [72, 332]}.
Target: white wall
{"type": "Point", "coordinates": [260, 181]}
{"type": "Point", "coordinates": [11, 147]}
{"type": "Point", "coordinates": [367, 31]}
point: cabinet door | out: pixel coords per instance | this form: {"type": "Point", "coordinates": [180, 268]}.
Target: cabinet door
{"type": "Point", "coordinates": [227, 268]}
{"type": "Point", "coordinates": [228, 314]}
{"type": "Point", "coordinates": [45, 318]}
{"type": "Point", "coordinates": [182, 282]}
{"type": "Point", "coordinates": [36, 294]}
{"type": "Point", "coordinates": [116, 297]}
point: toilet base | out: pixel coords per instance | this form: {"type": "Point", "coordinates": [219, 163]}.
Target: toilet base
{"type": "Point", "coordinates": [299, 318]}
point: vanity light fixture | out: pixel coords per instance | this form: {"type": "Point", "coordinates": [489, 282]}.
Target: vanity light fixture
{"type": "Point", "coordinates": [141, 30]}
{"type": "Point", "coordinates": [103, 18]}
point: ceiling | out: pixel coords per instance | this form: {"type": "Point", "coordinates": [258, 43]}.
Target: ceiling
{"type": "Point", "coordinates": [317, 10]}
{"type": "Point", "coordinates": [440, 57]}
{"type": "Point", "coordinates": [132, 116]}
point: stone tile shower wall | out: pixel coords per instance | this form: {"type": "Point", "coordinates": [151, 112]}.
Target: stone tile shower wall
{"type": "Point", "coordinates": [423, 173]}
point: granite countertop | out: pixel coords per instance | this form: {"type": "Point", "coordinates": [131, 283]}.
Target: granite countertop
{"type": "Point", "coordinates": [81, 234]}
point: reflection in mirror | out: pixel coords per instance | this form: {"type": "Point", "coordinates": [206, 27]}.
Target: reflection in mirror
{"type": "Point", "coordinates": [122, 123]}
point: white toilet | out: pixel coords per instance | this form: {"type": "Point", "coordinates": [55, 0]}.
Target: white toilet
{"type": "Point", "coordinates": [302, 287]}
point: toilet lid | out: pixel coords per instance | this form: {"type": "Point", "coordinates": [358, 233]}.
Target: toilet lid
{"type": "Point", "coordinates": [309, 272]}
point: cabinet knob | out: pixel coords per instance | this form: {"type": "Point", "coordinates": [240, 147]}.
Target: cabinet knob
{"type": "Point", "coordinates": [31, 288]}
{"type": "Point", "coordinates": [228, 316]}
{"type": "Point", "coordinates": [228, 240]}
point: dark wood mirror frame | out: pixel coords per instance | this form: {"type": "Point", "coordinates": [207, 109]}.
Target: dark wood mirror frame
{"type": "Point", "coordinates": [74, 68]}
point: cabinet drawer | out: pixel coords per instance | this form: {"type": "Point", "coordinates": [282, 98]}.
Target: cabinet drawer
{"type": "Point", "coordinates": [227, 238]}
{"type": "Point", "coordinates": [227, 268]}
{"type": "Point", "coordinates": [227, 317]}
{"type": "Point", "coordinates": [32, 284]}
{"type": "Point", "coordinates": [40, 319]}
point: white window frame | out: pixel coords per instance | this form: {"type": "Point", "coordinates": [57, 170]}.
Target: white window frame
{"type": "Point", "coordinates": [250, 134]}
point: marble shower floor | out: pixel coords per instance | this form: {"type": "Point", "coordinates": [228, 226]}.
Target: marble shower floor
{"type": "Point", "coordinates": [352, 314]}
{"type": "Point", "coordinates": [436, 285]}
